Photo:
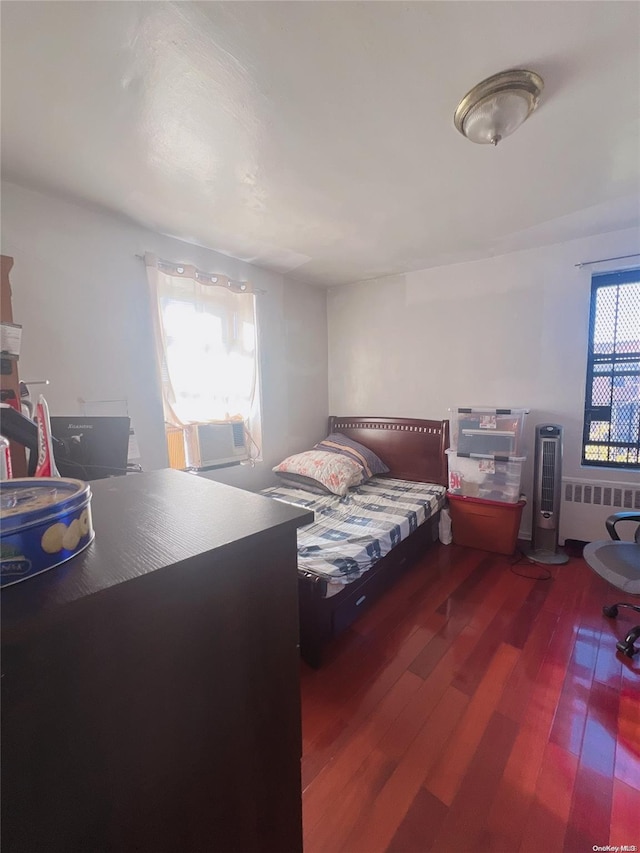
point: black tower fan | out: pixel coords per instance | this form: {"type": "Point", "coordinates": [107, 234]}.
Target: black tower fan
{"type": "Point", "coordinates": [547, 485]}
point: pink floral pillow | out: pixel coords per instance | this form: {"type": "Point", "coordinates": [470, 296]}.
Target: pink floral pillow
{"type": "Point", "coordinates": [335, 472]}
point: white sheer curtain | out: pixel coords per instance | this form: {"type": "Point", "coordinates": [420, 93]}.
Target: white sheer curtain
{"type": "Point", "coordinates": [205, 327]}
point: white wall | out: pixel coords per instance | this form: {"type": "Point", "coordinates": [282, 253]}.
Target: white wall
{"type": "Point", "coordinates": [80, 293]}
{"type": "Point", "coordinates": [505, 331]}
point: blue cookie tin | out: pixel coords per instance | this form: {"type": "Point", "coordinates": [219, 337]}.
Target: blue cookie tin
{"type": "Point", "coordinates": [44, 521]}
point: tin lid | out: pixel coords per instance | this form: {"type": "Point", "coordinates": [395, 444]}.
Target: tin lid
{"type": "Point", "coordinates": [29, 500]}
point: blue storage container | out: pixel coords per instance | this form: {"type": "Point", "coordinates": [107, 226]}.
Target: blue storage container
{"type": "Point", "coordinates": [44, 522]}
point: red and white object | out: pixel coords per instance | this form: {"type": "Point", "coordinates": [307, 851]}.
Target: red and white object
{"type": "Point", "coordinates": [46, 466]}
{"type": "Point", "coordinates": [6, 472]}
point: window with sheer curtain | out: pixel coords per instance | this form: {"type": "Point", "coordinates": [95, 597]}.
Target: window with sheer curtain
{"type": "Point", "coordinates": [205, 329]}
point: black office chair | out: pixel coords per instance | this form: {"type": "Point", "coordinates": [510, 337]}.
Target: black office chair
{"type": "Point", "coordinates": [618, 563]}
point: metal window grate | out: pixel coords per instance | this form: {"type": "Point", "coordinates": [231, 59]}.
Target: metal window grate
{"type": "Point", "coordinates": [612, 401]}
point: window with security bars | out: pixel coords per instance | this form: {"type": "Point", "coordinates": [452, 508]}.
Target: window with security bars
{"type": "Point", "coordinates": [612, 402]}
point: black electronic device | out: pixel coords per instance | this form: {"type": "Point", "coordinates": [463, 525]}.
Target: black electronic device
{"type": "Point", "coordinates": [91, 448]}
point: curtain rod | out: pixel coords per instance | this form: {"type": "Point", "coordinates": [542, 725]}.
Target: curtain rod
{"type": "Point", "coordinates": [602, 260]}
{"type": "Point", "coordinates": [253, 289]}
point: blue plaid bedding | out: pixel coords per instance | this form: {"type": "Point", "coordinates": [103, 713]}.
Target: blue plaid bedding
{"type": "Point", "coordinates": [350, 534]}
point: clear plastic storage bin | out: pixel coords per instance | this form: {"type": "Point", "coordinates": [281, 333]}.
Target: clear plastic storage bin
{"type": "Point", "coordinates": [487, 431]}
{"type": "Point", "coordinates": [485, 476]}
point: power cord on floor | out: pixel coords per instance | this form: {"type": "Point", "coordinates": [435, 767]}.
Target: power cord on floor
{"type": "Point", "coordinates": [542, 577]}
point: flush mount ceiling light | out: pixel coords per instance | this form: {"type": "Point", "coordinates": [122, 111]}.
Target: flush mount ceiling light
{"type": "Point", "coordinates": [499, 105]}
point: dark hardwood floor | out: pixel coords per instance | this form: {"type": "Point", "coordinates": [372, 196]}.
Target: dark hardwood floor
{"type": "Point", "coordinates": [475, 710]}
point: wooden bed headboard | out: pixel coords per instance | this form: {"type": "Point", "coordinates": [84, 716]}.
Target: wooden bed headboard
{"type": "Point", "coordinates": [413, 449]}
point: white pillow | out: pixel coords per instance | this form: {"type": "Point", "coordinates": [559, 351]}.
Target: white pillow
{"type": "Point", "coordinates": [335, 472]}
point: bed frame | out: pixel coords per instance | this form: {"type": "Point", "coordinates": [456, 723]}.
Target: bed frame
{"type": "Point", "coordinates": [414, 450]}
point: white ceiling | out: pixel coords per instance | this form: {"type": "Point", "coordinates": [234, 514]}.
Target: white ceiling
{"type": "Point", "coordinates": [316, 138]}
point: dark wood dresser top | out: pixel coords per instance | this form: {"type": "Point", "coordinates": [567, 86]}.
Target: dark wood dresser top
{"type": "Point", "coordinates": [145, 522]}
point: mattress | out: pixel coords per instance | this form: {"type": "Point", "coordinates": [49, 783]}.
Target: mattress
{"type": "Point", "coordinates": [351, 533]}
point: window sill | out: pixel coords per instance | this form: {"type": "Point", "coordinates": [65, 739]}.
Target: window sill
{"type": "Point", "coordinates": [605, 466]}
{"type": "Point", "coordinates": [206, 468]}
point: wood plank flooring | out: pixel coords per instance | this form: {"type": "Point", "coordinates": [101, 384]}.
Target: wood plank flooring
{"type": "Point", "coordinates": [472, 709]}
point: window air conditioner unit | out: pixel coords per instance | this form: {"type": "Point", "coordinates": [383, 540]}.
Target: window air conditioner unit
{"type": "Point", "coordinates": [220, 444]}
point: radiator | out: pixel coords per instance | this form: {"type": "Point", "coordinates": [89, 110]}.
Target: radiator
{"type": "Point", "coordinates": [586, 505]}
